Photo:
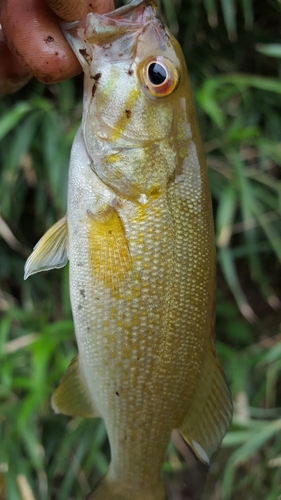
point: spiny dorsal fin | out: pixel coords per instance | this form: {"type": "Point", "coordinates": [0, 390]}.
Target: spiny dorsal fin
{"type": "Point", "coordinates": [209, 413]}
{"type": "Point", "coordinates": [50, 251]}
{"type": "Point", "coordinates": [73, 397]}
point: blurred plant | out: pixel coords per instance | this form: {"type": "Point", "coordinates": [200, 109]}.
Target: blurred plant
{"type": "Point", "coordinates": [233, 54]}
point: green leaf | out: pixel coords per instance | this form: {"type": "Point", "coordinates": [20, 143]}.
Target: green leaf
{"type": "Point", "coordinates": [247, 7]}
{"type": "Point", "coordinates": [171, 16]}
{"type": "Point", "coordinates": [272, 355]}
{"type": "Point", "coordinates": [270, 49]}
{"type": "Point", "coordinates": [210, 6]}
{"type": "Point", "coordinates": [12, 117]}
{"type": "Point", "coordinates": [207, 100]}
{"type": "Point", "coordinates": [229, 15]}
{"type": "Point", "coordinates": [254, 443]}
{"type": "Point", "coordinates": [271, 232]}
{"type": "Point", "coordinates": [230, 273]}
{"type": "Point", "coordinates": [225, 215]}
{"type": "Point", "coordinates": [258, 82]}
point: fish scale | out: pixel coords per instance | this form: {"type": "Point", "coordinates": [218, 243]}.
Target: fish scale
{"type": "Point", "coordinates": [129, 384]}
{"type": "Point", "coordinates": [138, 235]}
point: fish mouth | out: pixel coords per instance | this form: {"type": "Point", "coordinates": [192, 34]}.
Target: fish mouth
{"type": "Point", "coordinates": [98, 29]}
{"type": "Point", "coordinates": [101, 28]}
{"type": "Point", "coordinates": [134, 9]}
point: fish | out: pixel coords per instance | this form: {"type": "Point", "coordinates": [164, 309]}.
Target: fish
{"type": "Point", "coordinates": [139, 238]}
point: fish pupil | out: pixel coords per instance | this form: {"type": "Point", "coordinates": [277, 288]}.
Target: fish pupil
{"type": "Point", "coordinates": [157, 73]}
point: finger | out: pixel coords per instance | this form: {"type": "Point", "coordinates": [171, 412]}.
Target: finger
{"type": "Point", "coordinates": [33, 35]}
{"type": "Point", "coordinates": [71, 10]}
{"type": "Point", "coordinates": [13, 76]}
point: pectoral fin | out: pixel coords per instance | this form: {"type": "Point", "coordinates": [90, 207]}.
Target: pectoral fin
{"type": "Point", "coordinates": [50, 251]}
{"type": "Point", "coordinates": [72, 397]}
{"type": "Point", "coordinates": [210, 412]}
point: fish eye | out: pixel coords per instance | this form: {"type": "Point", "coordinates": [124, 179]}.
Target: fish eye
{"type": "Point", "coordinates": [158, 76]}
{"type": "Point", "coordinates": [157, 73]}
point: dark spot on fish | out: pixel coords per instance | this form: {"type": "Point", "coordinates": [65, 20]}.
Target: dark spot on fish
{"type": "Point", "coordinates": [90, 5]}
{"type": "Point", "coordinates": [56, 53]}
{"type": "Point", "coordinates": [94, 88]}
{"type": "Point", "coordinates": [85, 54]}
{"type": "Point", "coordinates": [97, 298]}
{"type": "Point", "coordinates": [82, 292]}
{"type": "Point", "coordinates": [79, 307]}
{"type": "Point", "coordinates": [130, 72]}
{"type": "Point", "coordinates": [110, 232]}
{"type": "Point", "coordinates": [126, 438]}
{"type": "Point", "coordinates": [80, 264]}
{"type": "Point", "coordinates": [96, 77]}
{"type": "Point", "coordinates": [120, 55]}
{"type": "Point", "coordinates": [128, 113]}
{"type": "Point", "coordinates": [49, 39]}
{"type": "Point", "coordinates": [117, 393]}
{"type": "Point", "coordinates": [88, 329]}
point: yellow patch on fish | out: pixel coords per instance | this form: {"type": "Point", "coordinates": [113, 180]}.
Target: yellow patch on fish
{"type": "Point", "coordinates": [122, 123]}
{"type": "Point", "coordinates": [108, 250]}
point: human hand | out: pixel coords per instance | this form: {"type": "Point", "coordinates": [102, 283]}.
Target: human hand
{"type": "Point", "coordinates": [32, 44]}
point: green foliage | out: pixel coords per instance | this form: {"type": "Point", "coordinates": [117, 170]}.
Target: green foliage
{"type": "Point", "coordinates": [233, 55]}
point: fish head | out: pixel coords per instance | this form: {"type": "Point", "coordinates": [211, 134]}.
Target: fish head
{"type": "Point", "coordinates": [135, 125]}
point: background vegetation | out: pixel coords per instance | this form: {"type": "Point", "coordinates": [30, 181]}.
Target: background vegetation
{"type": "Point", "coordinates": [233, 52]}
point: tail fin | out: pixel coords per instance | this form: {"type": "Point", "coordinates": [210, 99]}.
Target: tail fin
{"type": "Point", "coordinates": [108, 490]}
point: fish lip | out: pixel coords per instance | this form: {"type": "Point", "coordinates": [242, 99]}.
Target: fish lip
{"type": "Point", "coordinates": [127, 9]}
{"type": "Point", "coordinates": [132, 18]}
{"type": "Point", "coordinates": [115, 16]}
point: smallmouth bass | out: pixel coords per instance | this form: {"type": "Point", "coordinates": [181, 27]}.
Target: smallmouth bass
{"type": "Point", "coordinates": [138, 235]}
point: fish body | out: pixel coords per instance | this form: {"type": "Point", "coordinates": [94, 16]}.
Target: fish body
{"type": "Point", "coordinates": [139, 238]}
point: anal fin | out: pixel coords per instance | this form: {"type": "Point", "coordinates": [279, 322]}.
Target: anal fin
{"type": "Point", "coordinates": [50, 251]}
{"type": "Point", "coordinates": [73, 397]}
{"type": "Point", "coordinates": [209, 413]}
